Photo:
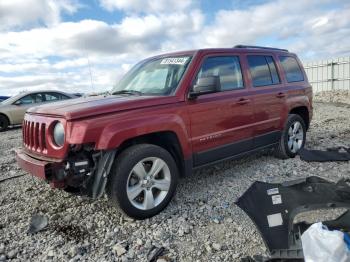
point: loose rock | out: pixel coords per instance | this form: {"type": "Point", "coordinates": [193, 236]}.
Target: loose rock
{"type": "Point", "coordinates": [217, 246]}
{"type": "Point", "coordinates": [12, 254]}
{"type": "Point", "coordinates": [119, 250]}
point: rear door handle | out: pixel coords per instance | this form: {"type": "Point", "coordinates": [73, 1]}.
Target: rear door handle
{"type": "Point", "coordinates": [281, 95]}
{"type": "Point", "coordinates": [243, 101]}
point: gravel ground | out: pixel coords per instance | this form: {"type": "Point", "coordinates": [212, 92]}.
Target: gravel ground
{"type": "Point", "coordinates": [337, 96]}
{"type": "Point", "coordinates": [201, 223]}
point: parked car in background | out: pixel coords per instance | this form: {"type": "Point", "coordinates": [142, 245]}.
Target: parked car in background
{"type": "Point", "coordinates": [12, 110]}
{"type": "Point", "coordinates": [3, 98]}
{"type": "Point", "coordinates": [169, 115]}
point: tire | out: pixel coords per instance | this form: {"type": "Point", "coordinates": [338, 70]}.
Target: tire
{"type": "Point", "coordinates": [292, 138]}
{"type": "Point", "coordinates": [131, 184]}
{"type": "Point", "coordinates": [4, 123]}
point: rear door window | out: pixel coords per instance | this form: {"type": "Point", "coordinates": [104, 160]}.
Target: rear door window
{"type": "Point", "coordinates": [273, 71]}
{"type": "Point", "coordinates": [54, 96]}
{"type": "Point", "coordinates": [51, 97]}
{"type": "Point", "coordinates": [38, 98]}
{"type": "Point", "coordinates": [227, 68]}
{"type": "Point", "coordinates": [263, 70]}
{"type": "Point", "coordinates": [291, 69]}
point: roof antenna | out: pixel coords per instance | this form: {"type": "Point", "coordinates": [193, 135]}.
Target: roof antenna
{"type": "Point", "coordinates": [92, 85]}
{"type": "Point", "coordinates": [90, 71]}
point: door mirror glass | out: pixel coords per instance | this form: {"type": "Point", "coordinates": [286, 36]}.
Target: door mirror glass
{"type": "Point", "coordinates": [205, 85]}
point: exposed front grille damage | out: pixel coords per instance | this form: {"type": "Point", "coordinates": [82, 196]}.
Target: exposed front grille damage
{"type": "Point", "coordinates": [77, 168]}
{"type": "Point", "coordinates": [84, 171]}
{"type": "Point", "coordinates": [88, 171]}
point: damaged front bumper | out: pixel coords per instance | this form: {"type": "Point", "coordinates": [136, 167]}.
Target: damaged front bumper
{"type": "Point", "coordinates": [87, 173]}
{"type": "Point", "coordinates": [273, 207]}
{"type": "Point", "coordinates": [42, 169]}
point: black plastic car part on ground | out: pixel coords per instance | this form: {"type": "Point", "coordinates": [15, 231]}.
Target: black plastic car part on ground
{"type": "Point", "coordinates": [331, 154]}
{"type": "Point", "coordinates": [273, 207]}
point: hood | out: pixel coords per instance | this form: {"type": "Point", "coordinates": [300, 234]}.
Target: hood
{"type": "Point", "coordinates": [96, 105]}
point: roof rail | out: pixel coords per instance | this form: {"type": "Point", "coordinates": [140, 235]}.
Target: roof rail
{"type": "Point", "coordinates": [260, 47]}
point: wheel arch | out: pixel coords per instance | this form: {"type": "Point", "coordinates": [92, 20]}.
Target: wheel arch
{"type": "Point", "coordinates": [165, 139]}
{"type": "Point", "coordinates": [6, 116]}
{"type": "Point", "coordinates": [303, 112]}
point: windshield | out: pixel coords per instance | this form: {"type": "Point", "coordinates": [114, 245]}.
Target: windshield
{"type": "Point", "coordinates": [154, 77]}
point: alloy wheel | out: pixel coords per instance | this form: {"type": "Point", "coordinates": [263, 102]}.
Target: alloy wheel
{"type": "Point", "coordinates": [295, 137]}
{"type": "Point", "coordinates": [148, 183]}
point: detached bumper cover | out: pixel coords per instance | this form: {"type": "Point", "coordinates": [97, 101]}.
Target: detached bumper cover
{"type": "Point", "coordinates": [39, 168]}
{"type": "Point", "coordinates": [273, 207]}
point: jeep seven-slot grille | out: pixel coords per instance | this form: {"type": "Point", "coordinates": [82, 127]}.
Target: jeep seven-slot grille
{"type": "Point", "coordinates": [34, 136]}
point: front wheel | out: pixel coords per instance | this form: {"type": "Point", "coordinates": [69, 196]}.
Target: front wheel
{"type": "Point", "coordinates": [143, 180]}
{"type": "Point", "coordinates": [293, 137]}
{"type": "Point", "coordinates": [4, 123]}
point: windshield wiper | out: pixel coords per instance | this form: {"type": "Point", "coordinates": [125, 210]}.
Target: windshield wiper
{"type": "Point", "coordinates": [129, 92]}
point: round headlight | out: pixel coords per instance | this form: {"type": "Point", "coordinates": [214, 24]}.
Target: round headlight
{"type": "Point", "coordinates": [58, 134]}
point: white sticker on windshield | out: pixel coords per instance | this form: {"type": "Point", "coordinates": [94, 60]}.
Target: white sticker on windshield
{"type": "Point", "coordinates": [174, 61]}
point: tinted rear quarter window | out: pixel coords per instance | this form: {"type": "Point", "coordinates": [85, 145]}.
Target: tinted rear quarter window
{"type": "Point", "coordinates": [263, 70]}
{"type": "Point", "coordinates": [291, 69]}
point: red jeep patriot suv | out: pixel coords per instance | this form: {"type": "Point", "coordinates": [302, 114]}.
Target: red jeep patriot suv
{"type": "Point", "coordinates": [169, 115]}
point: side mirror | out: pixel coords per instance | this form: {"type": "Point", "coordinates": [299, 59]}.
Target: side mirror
{"type": "Point", "coordinates": [205, 85]}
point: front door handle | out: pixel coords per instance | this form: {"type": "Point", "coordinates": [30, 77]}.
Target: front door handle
{"type": "Point", "coordinates": [281, 95]}
{"type": "Point", "coordinates": [243, 101]}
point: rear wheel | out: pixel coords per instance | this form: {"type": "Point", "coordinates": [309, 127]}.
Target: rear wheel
{"type": "Point", "coordinates": [293, 137]}
{"type": "Point", "coordinates": [4, 123]}
{"type": "Point", "coordinates": [143, 180]}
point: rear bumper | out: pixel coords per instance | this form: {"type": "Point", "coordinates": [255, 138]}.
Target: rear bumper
{"type": "Point", "coordinates": [41, 169]}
